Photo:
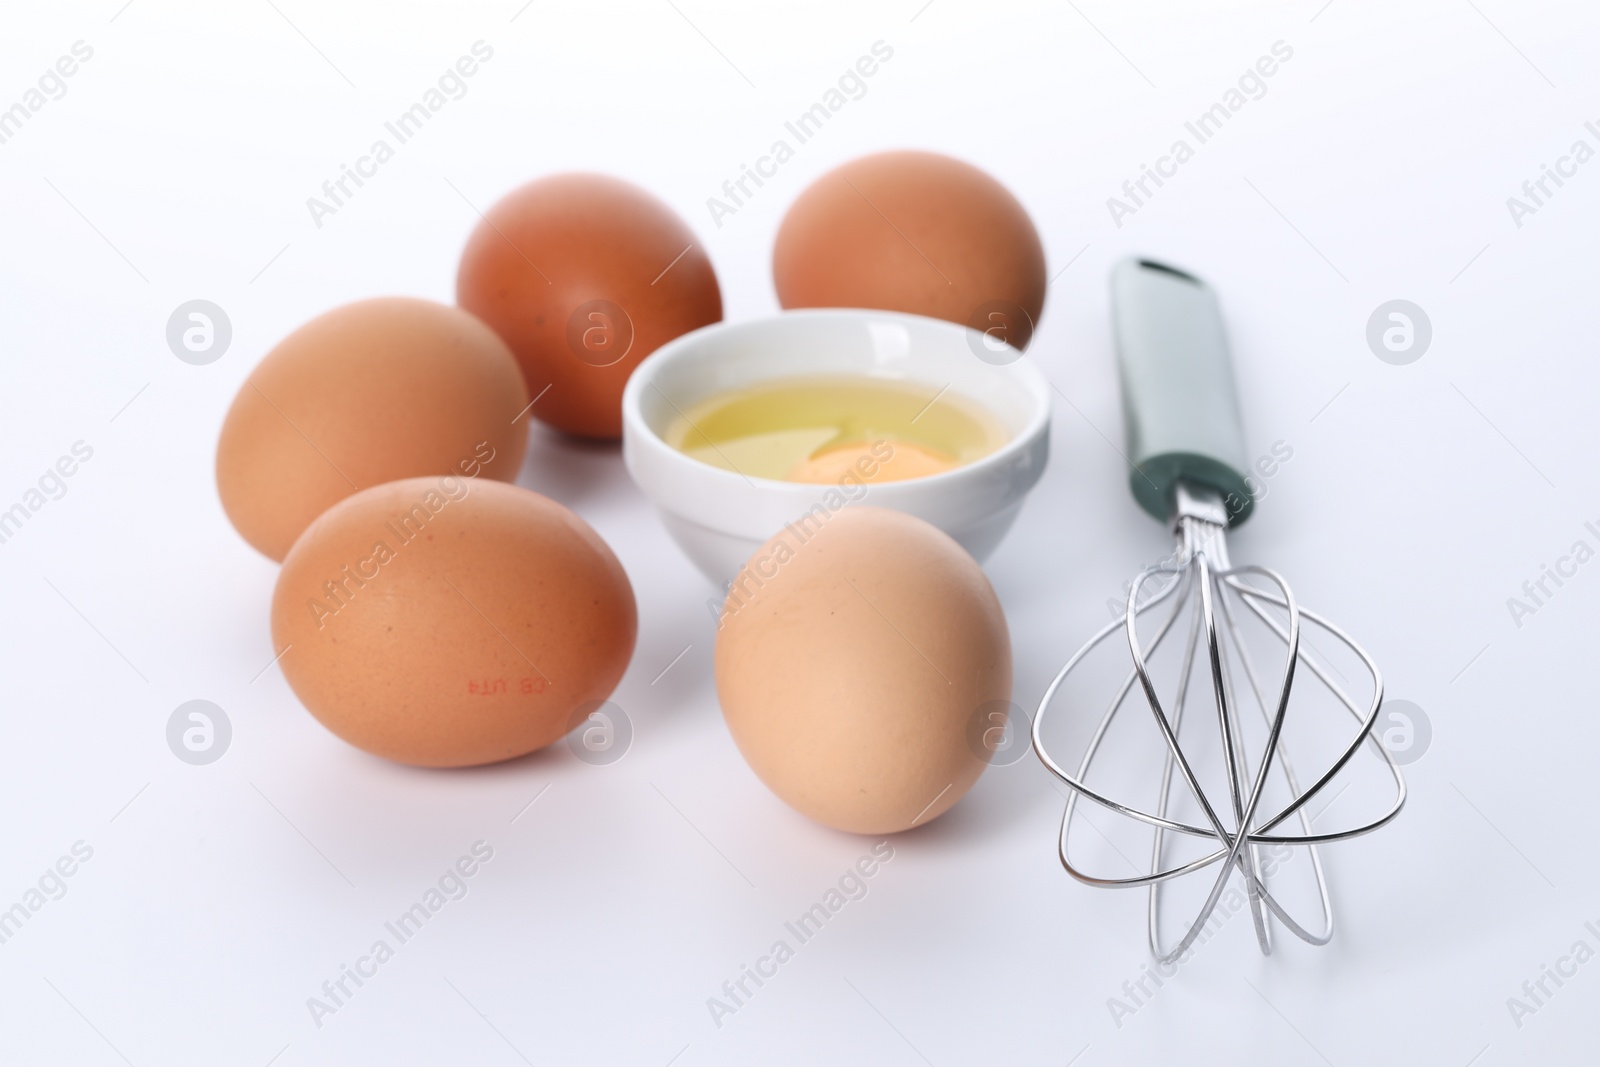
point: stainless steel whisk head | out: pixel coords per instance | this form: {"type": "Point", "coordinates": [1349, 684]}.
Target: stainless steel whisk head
{"type": "Point", "coordinates": [1216, 594]}
{"type": "Point", "coordinates": [1186, 444]}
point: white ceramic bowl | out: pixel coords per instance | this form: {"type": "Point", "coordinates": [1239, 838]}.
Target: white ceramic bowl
{"type": "Point", "coordinates": [720, 517]}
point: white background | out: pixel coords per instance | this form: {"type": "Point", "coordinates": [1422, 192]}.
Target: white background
{"type": "Point", "coordinates": [219, 898]}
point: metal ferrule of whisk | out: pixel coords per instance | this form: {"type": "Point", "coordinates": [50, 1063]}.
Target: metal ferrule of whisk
{"type": "Point", "coordinates": [1200, 588]}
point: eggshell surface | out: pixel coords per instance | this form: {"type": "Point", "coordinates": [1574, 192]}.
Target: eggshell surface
{"type": "Point", "coordinates": [364, 394]}
{"type": "Point", "coordinates": [447, 622]}
{"type": "Point", "coordinates": [915, 232]}
{"type": "Point", "coordinates": [584, 275]}
{"type": "Point", "coordinates": [854, 652]}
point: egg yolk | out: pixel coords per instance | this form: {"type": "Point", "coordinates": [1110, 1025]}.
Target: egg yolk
{"type": "Point", "coordinates": [906, 460]}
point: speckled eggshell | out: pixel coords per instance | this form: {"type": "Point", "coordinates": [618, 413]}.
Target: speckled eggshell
{"type": "Point", "coordinates": [450, 621]}
{"type": "Point", "coordinates": [854, 653]}
{"type": "Point", "coordinates": [367, 393]}
{"type": "Point", "coordinates": [584, 275]}
{"type": "Point", "coordinates": [915, 232]}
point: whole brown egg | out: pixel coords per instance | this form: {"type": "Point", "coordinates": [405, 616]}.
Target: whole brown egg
{"type": "Point", "coordinates": [584, 275]}
{"type": "Point", "coordinates": [366, 393]}
{"type": "Point", "coordinates": [859, 655]}
{"type": "Point", "coordinates": [915, 232]}
{"type": "Point", "coordinates": [452, 621]}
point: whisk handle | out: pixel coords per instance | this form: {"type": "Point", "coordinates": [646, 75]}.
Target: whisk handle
{"type": "Point", "coordinates": [1180, 408]}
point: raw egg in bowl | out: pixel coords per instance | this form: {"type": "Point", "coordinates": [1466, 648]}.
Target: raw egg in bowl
{"type": "Point", "coordinates": [741, 428]}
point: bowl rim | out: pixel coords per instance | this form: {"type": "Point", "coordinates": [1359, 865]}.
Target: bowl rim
{"type": "Point", "coordinates": [636, 429]}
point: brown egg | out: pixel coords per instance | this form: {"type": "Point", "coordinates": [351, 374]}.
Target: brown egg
{"type": "Point", "coordinates": [915, 232]}
{"type": "Point", "coordinates": [366, 393]}
{"type": "Point", "coordinates": [451, 621]}
{"type": "Point", "coordinates": [856, 652]}
{"type": "Point", "coordinates": [584, 275]}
